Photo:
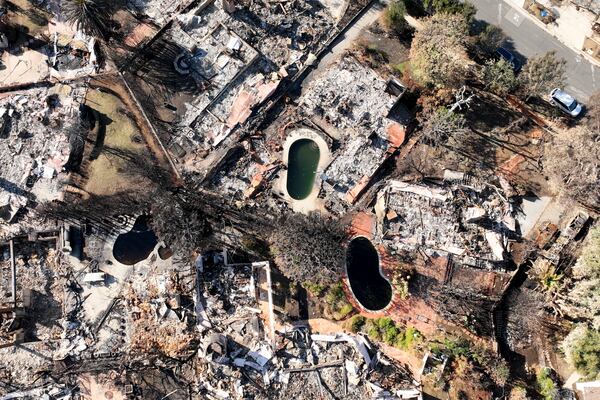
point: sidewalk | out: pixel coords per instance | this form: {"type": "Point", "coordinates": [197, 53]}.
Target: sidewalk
{"type": "Point", "coordinates": [571, 27]}
{"type": "Point", "coordinates": [528, 38]}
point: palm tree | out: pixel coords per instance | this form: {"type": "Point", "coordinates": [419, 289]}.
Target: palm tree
{"type": "Point", "coordinates": [90, 16]}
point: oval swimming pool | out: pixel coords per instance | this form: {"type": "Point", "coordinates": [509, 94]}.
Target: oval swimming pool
{"type": "Point", "coordinates": [370, 288]}
{"type": "Point", "coordinates": [303, 159]}
{"type": "Point", "coordinates": [137, 244]}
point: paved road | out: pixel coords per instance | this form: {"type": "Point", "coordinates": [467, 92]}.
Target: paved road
{"type": "Point", "coordinates": [529, 39]}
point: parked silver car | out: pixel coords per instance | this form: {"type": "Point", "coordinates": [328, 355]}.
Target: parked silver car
{"type": "Point", "coordinates": [565, 102]}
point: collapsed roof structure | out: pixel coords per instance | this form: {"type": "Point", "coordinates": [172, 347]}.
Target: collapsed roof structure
{"type": "Point", "coordinates": [470, 222]}
{"type": "Point", "coordinates": [226, 58]}
{"type": "Point", "coordinates": [361, 110]}
{"type": "Point", "coordinates": [34, 145]}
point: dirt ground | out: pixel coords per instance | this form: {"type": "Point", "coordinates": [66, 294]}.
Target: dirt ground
{"type": "Point", "coordinates": [500, 142]}
{"type": "Point", "coordinates": [384, 52]}
{"type": "Point", "coordinates": [110, 171]}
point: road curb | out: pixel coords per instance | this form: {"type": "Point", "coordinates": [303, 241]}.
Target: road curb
{"type": "Point", "coordinates": [541, 25]}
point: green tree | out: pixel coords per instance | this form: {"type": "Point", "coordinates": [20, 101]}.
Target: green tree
{"type": "Point", "coordinates": [464, 8]}
{"type": "Point", "coordinates": [541, 74]}
{"type": "Point", "coordinates": [582, 350]}
{"type": "Point", "coordinates": [394, 17]}
{"type": "Point", "coordinates": [499, 77]}
{"type": "Point", "coordinates": [438, 53]}
{"type": "Point", "coordinates": [490, 39]}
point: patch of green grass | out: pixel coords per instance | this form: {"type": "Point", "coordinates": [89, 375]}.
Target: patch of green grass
{"type": "Point", "coordinates": [400, 68]}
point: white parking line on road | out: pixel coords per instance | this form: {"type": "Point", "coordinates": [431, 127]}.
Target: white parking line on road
{"type": "Point", "coordinates": [515, 17]}
{"type": "Point", "coordinates": [593, 74]}
{"type": "Point", "coordinates": [499, 13]}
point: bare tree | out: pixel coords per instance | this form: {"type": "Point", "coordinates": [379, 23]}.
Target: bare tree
{"type": "Point", "coordinates": [309, 247]}
{"type": "Point", "coordinates": [438, 52]}
{"type": "Point", "coordinates": [441, 125]}
{"type": "Point", "coordinates": [580, 298]}
{"type": "Point", "coordinates": [525, 312]}
{"type": "Point", "coordinates": [572, 161]}
{"type": "Point", "coordinates": [541, 74]}
{"type": "Point", "coordinates": [182, 225]}
{"type": "Point", "coordinates": [416, 165]}
{"type": "Point", "coordinates": [592, 118]}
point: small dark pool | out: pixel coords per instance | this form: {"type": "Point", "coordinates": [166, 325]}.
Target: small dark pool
{"type": "Point", "coordinates": [303, 160]}
{"type": "Point", "coordinates": [135, 245]}
{"type": "Point", "coordinates": [371, 289]}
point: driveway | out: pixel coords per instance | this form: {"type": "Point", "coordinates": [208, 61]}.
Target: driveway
{"type": "Point", "coordinates": [528, 39]}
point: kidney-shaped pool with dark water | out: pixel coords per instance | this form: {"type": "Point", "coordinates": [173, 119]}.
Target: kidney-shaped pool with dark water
{"type": "Point", "coordinates": [370, 288]}
{"type": "Point", "coordinates": [137, 244]}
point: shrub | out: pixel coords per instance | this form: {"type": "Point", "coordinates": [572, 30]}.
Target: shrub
{"type": "Point", "coordinates": [400, 68]}
{"type": "Point", "coordinates": [255, 246]}
{"type": "Point", "coordinates": [314, 288]}
{"type": "Point", "coordinates": [457, 347]}
{"type": "Point", "coordinates": [344, 310]}
{"type": "Point", "coordinates": [545, 384]}
{"type": "Point", "coordinates": [390, 334]}
{"type": "Point", "coordinates": [407, 339]}
{"type": "Point", "coordinates": [335, 293]}
{"type": "Point", "coordinates": [384, 323]}
{"type": "Point", "coordinates": [500, 371]}
{"type": "Point", "coordinates": [373, 333]}
{"type": "Point", "coordinates": [518, 393]}
{"type": "Point", "coordinates": [357, 323]}
{"type": "Point", "coordinates": [337, 303]}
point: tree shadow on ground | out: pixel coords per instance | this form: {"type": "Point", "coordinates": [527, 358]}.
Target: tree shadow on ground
{"type": "Point", "coordinates": [488, 112]}
{"type": "Point", "coordinates": [472, 151]}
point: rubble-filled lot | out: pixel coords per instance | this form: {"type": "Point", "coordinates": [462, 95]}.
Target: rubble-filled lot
{"type": "Point", "coordinates": [168, 309]}
{"type": "Point", "coordinates": [217, 64]}
{"type": "Point", "coordinates": [473, 222]}
{"type": "Point", "coordinates": [363, 114]}
{"type": "Point", "coordinates": [34, 145]}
